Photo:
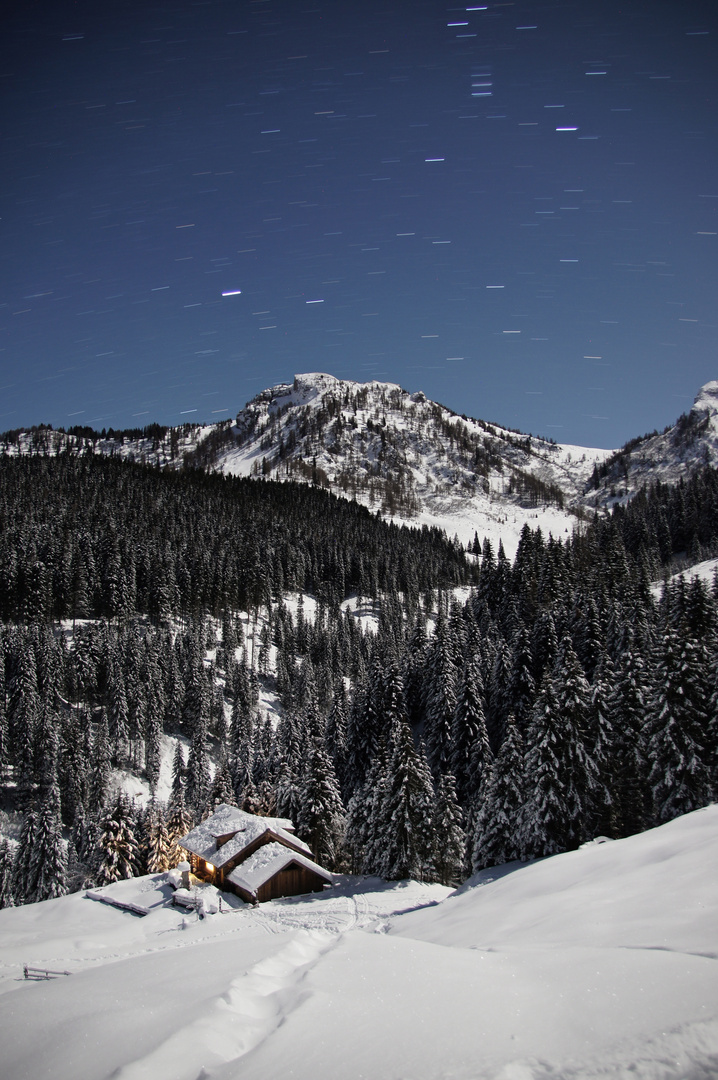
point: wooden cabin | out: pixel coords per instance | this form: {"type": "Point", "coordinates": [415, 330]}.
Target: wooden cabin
{"type": "Point", "coordinates": [258, 858]}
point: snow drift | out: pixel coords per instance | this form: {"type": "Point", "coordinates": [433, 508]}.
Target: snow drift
{"type": "Point", "coordinates": [601, 962]}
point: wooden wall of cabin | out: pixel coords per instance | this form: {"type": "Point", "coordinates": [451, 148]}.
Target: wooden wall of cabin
{"type": "Point", "coordinates": [292, 881]}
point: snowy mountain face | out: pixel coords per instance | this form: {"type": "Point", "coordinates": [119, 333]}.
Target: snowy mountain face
{"type": "Point", "coordinates": [411, 458]}
{"type": "Point", "coordinates": [664, 457]}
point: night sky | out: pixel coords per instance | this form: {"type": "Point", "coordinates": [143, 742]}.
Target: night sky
{"type": "Point", "coordinates": [512, 207]}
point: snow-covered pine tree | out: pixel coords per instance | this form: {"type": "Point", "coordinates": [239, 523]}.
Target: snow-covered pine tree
{"type": "Point", "coordinates": [601, 740]}
{"type": "Point", "coordinates": [521, 692]}
{"type": "Point", "coordinates": [7, 874]}
{"type": "Point", "coordinates": [629, 706]}
{"type": "Point", "coordinates": [198, 772]}
{"type": "Point", "coordinates": [179, 823]}
{"type": "Point", "coordinates": [24, 717]}
{"type": "Point", "coordinates": [449, 835]}
{"type": "Point", "coordinates": [335, 733]}
{"type": "Point", "coordinates": [24, 882]}
{"type": "Point", "coordinates": [362, 736]}
{"type": "Point", "coordinates": [48, 857]}
{"type": "Point", "coordinates": [560, 775]}
{"type": "Point", "coordinates": [679, 777]}
{"type": "Point", "coordinates": [153, 752]}
{"type": "Point", "coordinates": [117, 845]}
{"type": "Point", "coordinates": [406, 815]}
{"type": "Point", "coordinates": [496, 838]}
{"type": "Point", "coordinates": [101, 763]}
{"type": "Point", "coordinates": [363, 840]}
{"type": "Point", "coordinates": [288, 793]}
{"type": "Point", "coordinates": [498, 699]}
{"type": "Point", "coordinates": [439, 699]}
{"type": "Point", "coordinates": [320, 822]}
{"type": "Point", "coordinates": [157, 840]}
{"type": "Point", "coordinates": [544, 644]}
{"type": "Point", "coordinates": [178, 772]}
{"type": "Point", "coordinates": [468, 730]}
{"type": "Point", "coordinates": [4, 726]}
{"type": "Point", "coordinates": [221, 791]}
{"type": "Point", "coordinates": [118, 716]}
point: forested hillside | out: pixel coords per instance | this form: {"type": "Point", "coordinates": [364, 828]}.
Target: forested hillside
{"type": "Point", "coordinates": [557, 702]}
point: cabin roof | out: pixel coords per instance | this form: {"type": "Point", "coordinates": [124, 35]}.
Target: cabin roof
{"type": "Point", "coordinates": [267, 861]}
{"type": "Point", "coordinates": [242, 829]}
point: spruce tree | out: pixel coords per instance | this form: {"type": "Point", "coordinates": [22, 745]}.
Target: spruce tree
{"type": "Point", "coordinates": [601, 742]}
{"type": "Point", "coordinates": [335, 734]}
{"type": "Point", "coordinates": [629, 704]}
{"type": "Point", "coordinates": [198, 771]}
{"type": "Point", "coordinates": [101, 762]}
{"type": "Point", "coordinates": [407, 811]}
{"type": "Point", "coordinates": [362, 815]}
{"type": "Point", "coordinates": [439, 700]}
{"type": "Point", "coordinates": [48, 858]}
{"type": "Point", "coordinates": [320, 822]}
{"type": "Point", "coordinates": [469, 731]}
{"type": "Point", "coordinates": [221, 791]}
{"type": "Point", "coordinates": [521, 692]}
{"type": "Point", "coordinates": [179, 822]}
{"type": "Point", "coordinates": [7, 874]}
{"type": "Point", "coordinates": [679, 777]}
{"type": "Point", "coordinates": [117, 847]}
{"type": "Point", "coordinates": [178, 772]}
{"type": "Point", "coordinates": [157, 841]}
{"type": "Point", "coordinates": [559, 773]}
{"type": "Point", "coordinates": [25, 883]}
{"type": "Point", "coordinates": [449, 835]}
{"type": "Point", "coordinates": [153, 750]}
{"type": "Point", "coordinates": [496, 838]}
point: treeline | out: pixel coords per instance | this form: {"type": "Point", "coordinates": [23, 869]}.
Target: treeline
{"type": "Point", "coordinates": [90, 536]}
{"type": "Point", "coordinates": [39, 433]}
{"type": "Point", "coordinates": [560, 702]}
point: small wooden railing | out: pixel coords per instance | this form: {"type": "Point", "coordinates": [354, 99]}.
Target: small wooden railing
{"type": "Point", "coordinates": [42, 973]}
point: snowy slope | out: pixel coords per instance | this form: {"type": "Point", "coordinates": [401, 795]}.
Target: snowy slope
{"type": "Point", "coordinates": [705, 571]}
{"type": "Point", "coordinates": [405, 455]}
{"type": "Point", "coordinates": [395, 451]}
{"type": "Point", "coordinates": [411, 458]}
{"type": "Point", "coordinates": [664, 457]}
{"type": "Point", "coordinates": [596, 963]}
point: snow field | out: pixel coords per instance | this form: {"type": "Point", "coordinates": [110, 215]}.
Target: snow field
{"type": "Point", "coordinates": [597, 963]}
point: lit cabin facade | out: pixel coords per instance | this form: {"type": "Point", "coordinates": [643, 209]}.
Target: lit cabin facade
{"type": "Point", "coordinates": [258, 858]}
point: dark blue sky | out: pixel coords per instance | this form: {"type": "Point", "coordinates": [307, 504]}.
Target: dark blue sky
{"type": "Point", "coordinates": [512, 207]}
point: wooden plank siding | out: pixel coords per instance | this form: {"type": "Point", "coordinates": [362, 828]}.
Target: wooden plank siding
{"type": "Point", "coordinates": [293, 880]}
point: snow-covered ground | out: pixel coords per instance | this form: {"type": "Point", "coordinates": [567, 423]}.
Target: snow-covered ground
{"type": "Point", "coordinates": [601, 962]}
{"type": "Point", "coordinates": [705, 571]}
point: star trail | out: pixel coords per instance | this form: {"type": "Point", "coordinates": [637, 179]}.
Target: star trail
{"type": "Point", "coordinates": [512, 207]}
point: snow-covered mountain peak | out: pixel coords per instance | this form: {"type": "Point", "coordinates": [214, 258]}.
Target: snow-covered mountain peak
{"type": "Point", "coordinates": [706, 401]}
{"type": "Point", "coordinates": [409, 457]}
{"type": "Point", "coordinates": [665, 456]}
{"type": "Point", "coordinates": [707, 395]}
{"type": "Point", "coordinates": [406, 456]}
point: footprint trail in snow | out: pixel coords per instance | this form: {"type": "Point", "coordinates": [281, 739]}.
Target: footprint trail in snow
{"type": "Point", "coordinates": [252, 1007]}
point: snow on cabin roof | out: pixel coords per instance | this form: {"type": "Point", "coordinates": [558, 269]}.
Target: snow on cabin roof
{"type": "Point", "coordinates": [242, 828]}
{"type": "Point", "coordinates": [268, 861]}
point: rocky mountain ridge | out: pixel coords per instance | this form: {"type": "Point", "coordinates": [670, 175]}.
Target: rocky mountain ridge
{"type": "Point", "coordinates": [408, 457]}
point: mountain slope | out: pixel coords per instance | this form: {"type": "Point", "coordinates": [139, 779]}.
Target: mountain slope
{"type": "Point", "coordinates": [663, 457]}
{"type": "Point", "coordinates": [407, 457]}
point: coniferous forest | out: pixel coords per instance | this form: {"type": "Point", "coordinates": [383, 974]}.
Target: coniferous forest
{"type": "Point", "coordinates": [480, 711]}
